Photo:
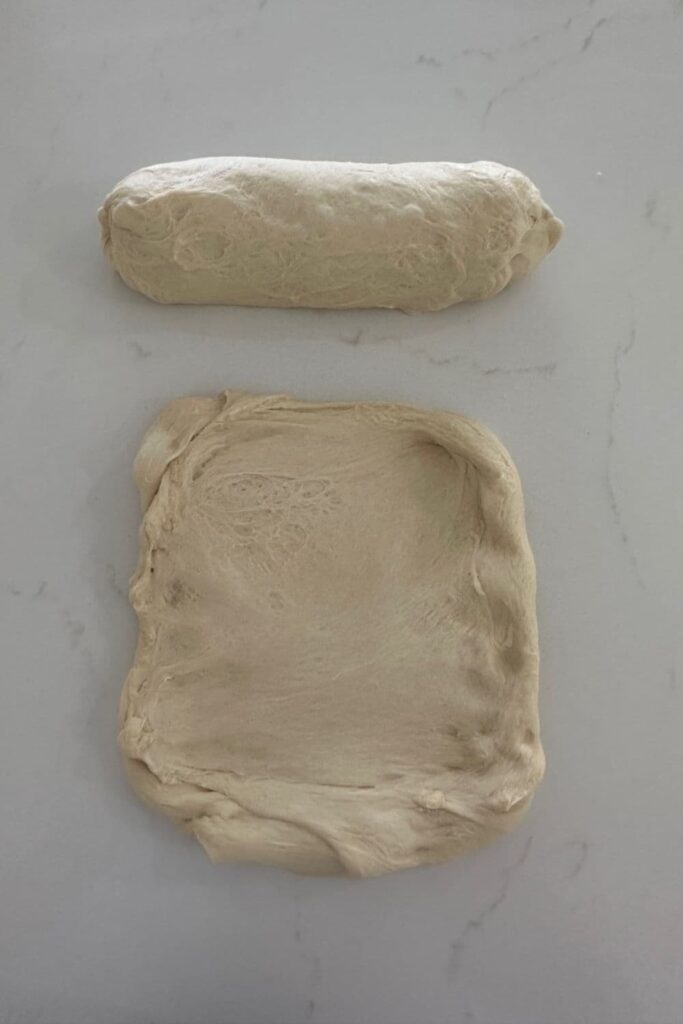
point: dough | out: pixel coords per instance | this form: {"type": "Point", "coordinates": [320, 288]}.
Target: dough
{"type": "Point", "coordinates": [256, 232]}
{"type": "Point", "coordinates": [337, 660]}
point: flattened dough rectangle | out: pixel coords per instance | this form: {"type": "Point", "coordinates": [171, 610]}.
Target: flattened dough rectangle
{"type": "Point", "coordinates": [337, 661]}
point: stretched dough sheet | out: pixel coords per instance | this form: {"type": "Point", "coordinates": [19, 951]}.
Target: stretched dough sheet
{"type": "Point", "coordinates": [337, 660]}
{"type": "Point", "coordinates": [261, 232]}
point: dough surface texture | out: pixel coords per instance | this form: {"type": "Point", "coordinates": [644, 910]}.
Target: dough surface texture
{"type": "Point", "coordinates": [337, 660]}
{"type": "Point", "coordinates": [261, 232]}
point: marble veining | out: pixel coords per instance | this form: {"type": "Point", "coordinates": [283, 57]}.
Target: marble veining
{"type": "Point", "coordinates": [655, 217]}
{"type": "Point", "coordinates": [108, 916]}
{"type": "Point", "coordinates": [581, 847]}
{"type": "Point", "coordinates": [621, 352]}
{"type": "Point", "coordinates": [586, 42]}
{"type": "Point", "coordinates": [461, 943]}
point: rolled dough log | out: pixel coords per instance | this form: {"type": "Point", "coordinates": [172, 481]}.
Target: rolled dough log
{"type": "Point", "coordinates": [257, 232]}
{"type": "Point", "coordinates": [337, 660]}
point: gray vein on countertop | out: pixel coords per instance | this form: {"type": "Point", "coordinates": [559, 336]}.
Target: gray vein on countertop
{"type": "Point", "coordinates": [586, 43]}
{"type": "Point", "coordinates": [431, 62]}
{"type": "Point", "coordinates": [354, 339]}
{"type": "Point", "coordinates": [16, 591]}
{"type": "Point", "coordinates": [13, 351]}
{"type": "Point", "coordinates": [506, 90]}
{"type": "Point", "coordinates": [141, 351]}
{"type": "Point", "coordinates": [362, 338]}
{"type": "Point", "coordinates": [663, 227]}
{"type": "Point", "coordinates": [651, 206]}
{"type": "Point", "coordinates": [523, 44]}
{"type": "Point", "coordinates": [621, 351]}
{"type": "Point", "coordinates": [531, 75]}
{"type": "Point", "coordinates": [458, 945]}
{"type": "Point", "coordinates": [582, 848]}
{"type": "Point", "coordinates": [600, 23]}
{"type": "Point", "coordinates": [490, 54]}
{"type": "Point", "coordinates": [316, 966]}
{"type": "Point", "coordinates": [427, 356]}
{"type": "Point", "coordinates": [314, 982]}
{"type": "Point", "coordinates": [113, 583]}
{"type": "Point", "coordinates": [544, 369]}
{"type": "Point", "coordinates": [75, 627]}
{"type": "Point", "coordinates": [316, 970]}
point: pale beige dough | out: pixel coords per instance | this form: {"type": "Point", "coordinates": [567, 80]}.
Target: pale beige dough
{"type": "Point", "coordinates": [260, 232]}
{"type": "Point", "coordinates": [337, 660]}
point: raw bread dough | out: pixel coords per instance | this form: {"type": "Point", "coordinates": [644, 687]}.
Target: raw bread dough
{"type": "Point", "coordinates": [337, 660]}
{"type": "Point", "coordinates": [256, 232]}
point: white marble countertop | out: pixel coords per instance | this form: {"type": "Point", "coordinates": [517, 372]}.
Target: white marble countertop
{"type": "Point", "coordinates": [109, 916]}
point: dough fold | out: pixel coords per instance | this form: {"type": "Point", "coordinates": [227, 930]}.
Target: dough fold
{"type": "Point", "coordinates": [263, 232]}
{"type": "Point", "coordinates": [337, 662]}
